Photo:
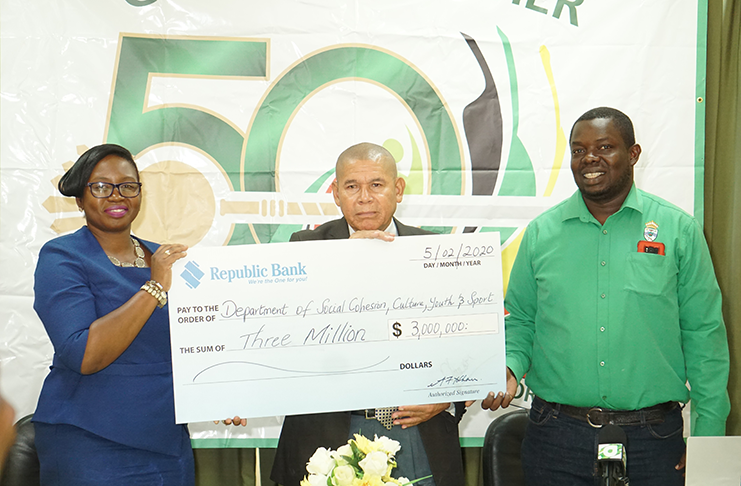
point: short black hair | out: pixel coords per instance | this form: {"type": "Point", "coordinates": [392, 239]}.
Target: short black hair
{"type": "Point", "coordinates": [73, 181]}
{"type": "Point", "coordinates": [620, 119]}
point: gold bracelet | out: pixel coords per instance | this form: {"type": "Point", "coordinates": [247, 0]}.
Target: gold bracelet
{"type": "Point", "coordinates": [154, 289]}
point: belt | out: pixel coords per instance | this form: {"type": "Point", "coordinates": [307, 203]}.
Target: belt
{"type": "Point", "coordinates": [597, 416]}
{"type": "Point", "coordinates": [369, 413]}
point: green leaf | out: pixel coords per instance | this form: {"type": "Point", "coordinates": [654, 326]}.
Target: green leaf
{"type": "Point", "coordinates": [417, 480]}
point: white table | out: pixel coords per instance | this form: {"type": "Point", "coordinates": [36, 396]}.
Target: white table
{"type": "Point", "coordinates": [713, 461]}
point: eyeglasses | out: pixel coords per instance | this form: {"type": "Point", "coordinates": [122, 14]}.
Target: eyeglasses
{"type": "Point", "coordinates": [105, 189]}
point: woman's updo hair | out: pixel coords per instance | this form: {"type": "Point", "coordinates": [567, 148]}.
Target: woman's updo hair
{"type": "Point", "coordinates": [74, 181]}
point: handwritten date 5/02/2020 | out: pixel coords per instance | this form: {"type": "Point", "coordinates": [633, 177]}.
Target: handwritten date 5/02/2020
{"type": "Point", "coordinates": [463, 252]}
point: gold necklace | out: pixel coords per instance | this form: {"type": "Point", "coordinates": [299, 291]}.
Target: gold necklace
{"type": "Point", "coordinates": [138, 262]}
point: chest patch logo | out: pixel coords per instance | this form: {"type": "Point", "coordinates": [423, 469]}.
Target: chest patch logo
{"type": "Point", "coordinates": [651, 231]}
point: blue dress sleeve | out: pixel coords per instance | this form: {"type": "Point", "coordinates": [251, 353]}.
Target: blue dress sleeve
{"type": "Point", "coordinates": [64, 301]}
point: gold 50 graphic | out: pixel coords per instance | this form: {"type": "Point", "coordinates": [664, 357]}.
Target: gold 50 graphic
{"type": "Point", "coordinates": [205, 179]}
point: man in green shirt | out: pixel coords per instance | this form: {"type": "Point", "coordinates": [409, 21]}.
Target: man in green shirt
{"type": "Point", "coordinates": [613, 308]}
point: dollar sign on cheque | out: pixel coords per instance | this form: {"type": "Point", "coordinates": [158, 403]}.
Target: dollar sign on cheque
{"type": "Point", "coordinates": [397, 329]}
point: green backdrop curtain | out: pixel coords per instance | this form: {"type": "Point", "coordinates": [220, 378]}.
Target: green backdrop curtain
{"type": "Point", "coordinates": [723, 176]}
{"type": "Point", "coordinates": [248, 467]}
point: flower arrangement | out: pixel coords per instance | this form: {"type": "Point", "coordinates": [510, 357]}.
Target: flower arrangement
{"type": "Point", "coordinates": [360, 462]}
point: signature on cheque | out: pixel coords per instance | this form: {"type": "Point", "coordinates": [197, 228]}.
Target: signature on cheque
{"type": "Point", "coordinates": [449, 380]}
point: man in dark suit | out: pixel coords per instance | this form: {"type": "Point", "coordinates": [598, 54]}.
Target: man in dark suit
{"type": "Point", "coordinates": [367, 190]}
{"type": "Point", "coordinates": [338, 229]}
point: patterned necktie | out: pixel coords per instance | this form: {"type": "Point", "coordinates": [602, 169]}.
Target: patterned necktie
{"type": "Point", "coordinates": [383, 415]}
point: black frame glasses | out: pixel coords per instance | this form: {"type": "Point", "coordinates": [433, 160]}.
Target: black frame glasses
{"type": "Point", "coordinates": [131, 189]}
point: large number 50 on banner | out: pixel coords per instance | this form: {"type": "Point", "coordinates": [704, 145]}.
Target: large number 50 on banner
{"type": "Point", "coordinates": [247, 161]}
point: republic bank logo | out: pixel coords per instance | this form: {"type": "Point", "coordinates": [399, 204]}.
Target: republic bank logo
{"type": "Point", "coordinates": [192, 274]}
{"type": "Point", "coordinates": [256, 273]}
{"type": "Point", "coordinates": [272, 273]}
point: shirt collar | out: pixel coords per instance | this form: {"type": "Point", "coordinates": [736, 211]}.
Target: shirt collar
{"type": "Point", "coordinates": [575, 206]}
{"type": "Point", "coordinates": [391, 228]}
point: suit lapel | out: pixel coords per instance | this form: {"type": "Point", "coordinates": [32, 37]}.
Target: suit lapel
{"type": "Point", "coordinates": [402, 229]}
{"type": "Point", "coordinates": [339, 230]}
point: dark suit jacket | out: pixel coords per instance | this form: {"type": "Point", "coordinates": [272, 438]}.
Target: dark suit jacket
{"type": "Point", "coordinates": [303, 434]}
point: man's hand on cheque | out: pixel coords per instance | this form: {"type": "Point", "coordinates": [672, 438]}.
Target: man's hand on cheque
{"type": "Point", "coordinates": [411, 415]}
{"type": "Point", "coordinates": [494, 401]}
{"type": "Point", "coordinates": [234, 421]}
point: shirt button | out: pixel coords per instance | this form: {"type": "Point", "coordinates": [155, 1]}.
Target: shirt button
{"type": "Point", "coordinates": [603, 263]}
{"type": "Point", "coordinates": [602, 329]}
{"type": "Point", "coordinates": [603, 296]}
{"type": "Point", "coordinates": [604, 397]}
{"type": "Point", "coordinates": [604, 232]}
{"type": "Point", "coordinates": [602, 363]}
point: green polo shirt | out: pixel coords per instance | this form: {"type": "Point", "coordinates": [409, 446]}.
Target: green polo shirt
{"type": "Point", "coordinates": [595, 322]}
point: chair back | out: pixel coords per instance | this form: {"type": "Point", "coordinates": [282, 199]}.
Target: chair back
{"type": "Point", "coordinates": [21, 468]}
{"type": "Point", "coordinates": [501, 453]}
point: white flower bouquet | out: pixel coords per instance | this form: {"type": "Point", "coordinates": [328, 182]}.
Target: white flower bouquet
{"type": "Point", "coordinates": [360, 462]}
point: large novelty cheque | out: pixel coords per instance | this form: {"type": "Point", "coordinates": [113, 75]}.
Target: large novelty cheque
{"type": "Point", "coordinates": [317, 326]}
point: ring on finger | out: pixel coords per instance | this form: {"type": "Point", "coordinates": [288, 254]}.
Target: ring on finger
{"type": "Point", "coordinates": [167, 252]}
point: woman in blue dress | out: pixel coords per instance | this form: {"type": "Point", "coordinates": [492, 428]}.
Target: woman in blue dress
{"type": "Point", "coordinates": [105, 415]}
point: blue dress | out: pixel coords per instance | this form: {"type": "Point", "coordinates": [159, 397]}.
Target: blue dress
{"type": "Point", "coordinates": [129, 405]}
